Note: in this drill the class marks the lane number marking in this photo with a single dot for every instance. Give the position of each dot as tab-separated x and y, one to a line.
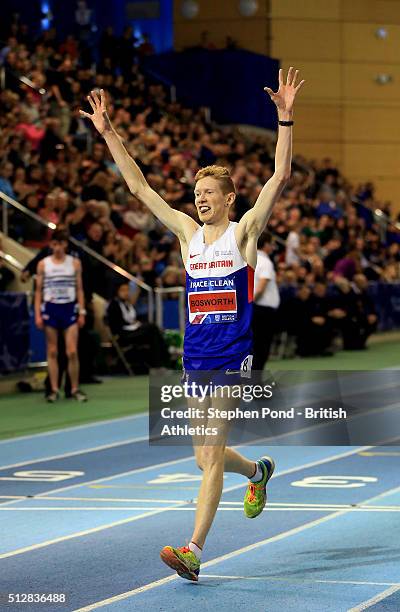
334	482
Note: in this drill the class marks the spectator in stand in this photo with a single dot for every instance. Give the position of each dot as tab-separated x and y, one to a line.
32	133
6	172
298	316
127	51
292	257
319	330
49	212
146	47
122	319
327	205
348	265
367	315
108	50
137	217
83	19
95	237
343	313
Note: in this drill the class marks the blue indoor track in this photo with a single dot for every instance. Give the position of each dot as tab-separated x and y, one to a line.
84	511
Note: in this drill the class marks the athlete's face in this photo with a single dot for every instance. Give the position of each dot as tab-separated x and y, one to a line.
211	203
58	247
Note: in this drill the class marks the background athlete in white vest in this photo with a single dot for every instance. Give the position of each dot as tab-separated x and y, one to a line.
60	308
220	258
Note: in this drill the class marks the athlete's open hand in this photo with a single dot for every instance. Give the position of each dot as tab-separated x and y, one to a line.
39	322
284	97
100	119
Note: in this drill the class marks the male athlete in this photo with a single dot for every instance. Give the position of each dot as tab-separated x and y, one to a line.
60	308
220	257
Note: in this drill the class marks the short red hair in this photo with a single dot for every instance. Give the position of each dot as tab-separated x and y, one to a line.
221	174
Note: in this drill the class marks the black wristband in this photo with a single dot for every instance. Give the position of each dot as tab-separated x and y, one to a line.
285	123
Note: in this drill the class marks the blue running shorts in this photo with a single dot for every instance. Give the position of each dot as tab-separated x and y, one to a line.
59	316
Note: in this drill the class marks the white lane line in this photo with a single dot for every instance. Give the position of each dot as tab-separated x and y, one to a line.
160	487
107	499
92	449
235	553
239	504
79	534
374	600
95	509
193	509
74	428
380	454
13	497
301	580
305	506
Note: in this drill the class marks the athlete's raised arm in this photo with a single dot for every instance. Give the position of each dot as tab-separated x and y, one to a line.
178	222
254	221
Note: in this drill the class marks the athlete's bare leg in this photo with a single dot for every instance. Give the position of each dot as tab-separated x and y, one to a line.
214	458
71	348
52	355
233	461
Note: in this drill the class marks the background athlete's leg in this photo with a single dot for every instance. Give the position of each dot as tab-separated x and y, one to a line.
71	348
52	353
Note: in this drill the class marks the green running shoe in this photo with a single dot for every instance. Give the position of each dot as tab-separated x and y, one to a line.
182	560
256	493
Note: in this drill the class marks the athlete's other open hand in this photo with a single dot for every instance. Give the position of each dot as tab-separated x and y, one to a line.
100	119
284	97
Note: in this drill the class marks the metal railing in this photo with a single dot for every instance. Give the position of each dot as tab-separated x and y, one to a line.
25	80
12	261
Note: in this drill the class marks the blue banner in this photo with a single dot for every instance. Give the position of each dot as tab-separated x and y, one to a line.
14	332
386	298
230	82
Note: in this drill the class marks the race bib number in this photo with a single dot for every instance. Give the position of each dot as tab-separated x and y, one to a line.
245	367
60	293
212	306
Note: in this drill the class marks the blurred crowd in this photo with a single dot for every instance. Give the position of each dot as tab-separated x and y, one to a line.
53	162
